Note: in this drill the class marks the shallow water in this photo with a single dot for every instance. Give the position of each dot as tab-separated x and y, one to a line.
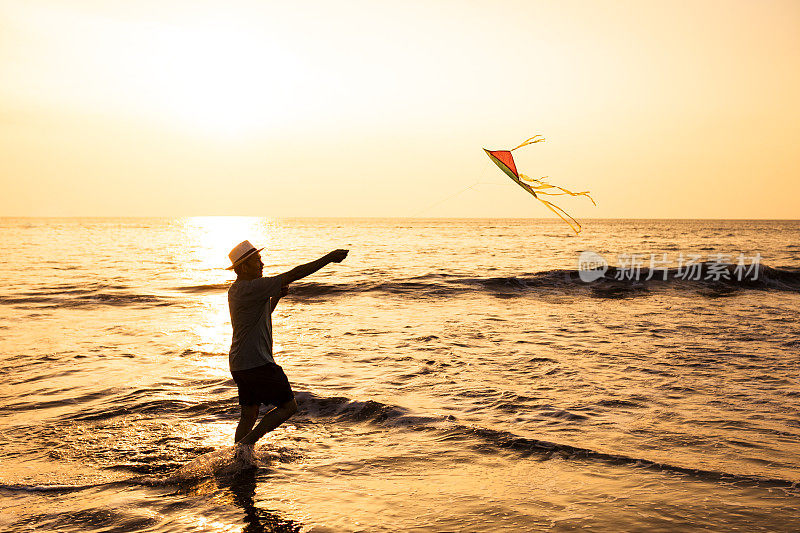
451	375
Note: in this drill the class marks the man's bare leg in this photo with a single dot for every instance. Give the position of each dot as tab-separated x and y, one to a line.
246	421
270	421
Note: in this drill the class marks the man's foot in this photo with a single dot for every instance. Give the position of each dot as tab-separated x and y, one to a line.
244	455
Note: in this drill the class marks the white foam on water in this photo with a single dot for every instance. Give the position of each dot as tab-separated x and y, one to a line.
224	462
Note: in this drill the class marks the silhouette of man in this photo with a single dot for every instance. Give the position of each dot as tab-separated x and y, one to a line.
251	299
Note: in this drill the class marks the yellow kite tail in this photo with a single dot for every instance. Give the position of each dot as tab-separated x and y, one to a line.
576	227
526	142
540	185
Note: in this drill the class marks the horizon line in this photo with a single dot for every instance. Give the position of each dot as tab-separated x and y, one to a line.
152	217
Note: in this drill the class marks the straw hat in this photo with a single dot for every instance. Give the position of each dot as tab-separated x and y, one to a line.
241	252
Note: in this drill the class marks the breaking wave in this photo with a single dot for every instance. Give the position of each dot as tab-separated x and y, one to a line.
711	281
229	461
707	280
491	440
87	295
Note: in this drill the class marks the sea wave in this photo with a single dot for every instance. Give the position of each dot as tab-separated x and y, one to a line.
118	407
87	295
497	441
61	488
343	410
208	287
708	280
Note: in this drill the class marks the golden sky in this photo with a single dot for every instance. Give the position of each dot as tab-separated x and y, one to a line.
678	109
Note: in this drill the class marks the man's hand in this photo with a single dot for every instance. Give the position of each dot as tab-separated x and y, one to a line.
337	256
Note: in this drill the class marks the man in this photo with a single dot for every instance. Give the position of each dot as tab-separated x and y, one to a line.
251	299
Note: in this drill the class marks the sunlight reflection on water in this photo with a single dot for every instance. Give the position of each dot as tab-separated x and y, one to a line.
423	366
209	239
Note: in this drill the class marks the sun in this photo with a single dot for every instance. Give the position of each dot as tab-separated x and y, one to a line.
223	81
202	72
209	239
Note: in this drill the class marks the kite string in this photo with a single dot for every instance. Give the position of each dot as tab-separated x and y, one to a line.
450	197
453	195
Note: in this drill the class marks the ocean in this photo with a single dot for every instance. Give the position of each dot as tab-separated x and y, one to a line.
451	375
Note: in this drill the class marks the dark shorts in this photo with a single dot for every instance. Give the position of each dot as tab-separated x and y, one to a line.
263	384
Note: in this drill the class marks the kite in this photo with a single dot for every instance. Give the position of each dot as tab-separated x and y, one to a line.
504	160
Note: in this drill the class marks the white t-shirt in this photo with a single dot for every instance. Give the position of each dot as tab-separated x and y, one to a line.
249	303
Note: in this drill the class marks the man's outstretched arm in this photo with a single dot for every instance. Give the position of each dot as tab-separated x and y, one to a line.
299	272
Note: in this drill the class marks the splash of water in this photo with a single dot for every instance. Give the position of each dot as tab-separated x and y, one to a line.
224	462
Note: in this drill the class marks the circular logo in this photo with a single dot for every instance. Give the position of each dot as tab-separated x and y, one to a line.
591	266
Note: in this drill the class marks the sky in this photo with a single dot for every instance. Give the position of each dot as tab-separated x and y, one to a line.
678	109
